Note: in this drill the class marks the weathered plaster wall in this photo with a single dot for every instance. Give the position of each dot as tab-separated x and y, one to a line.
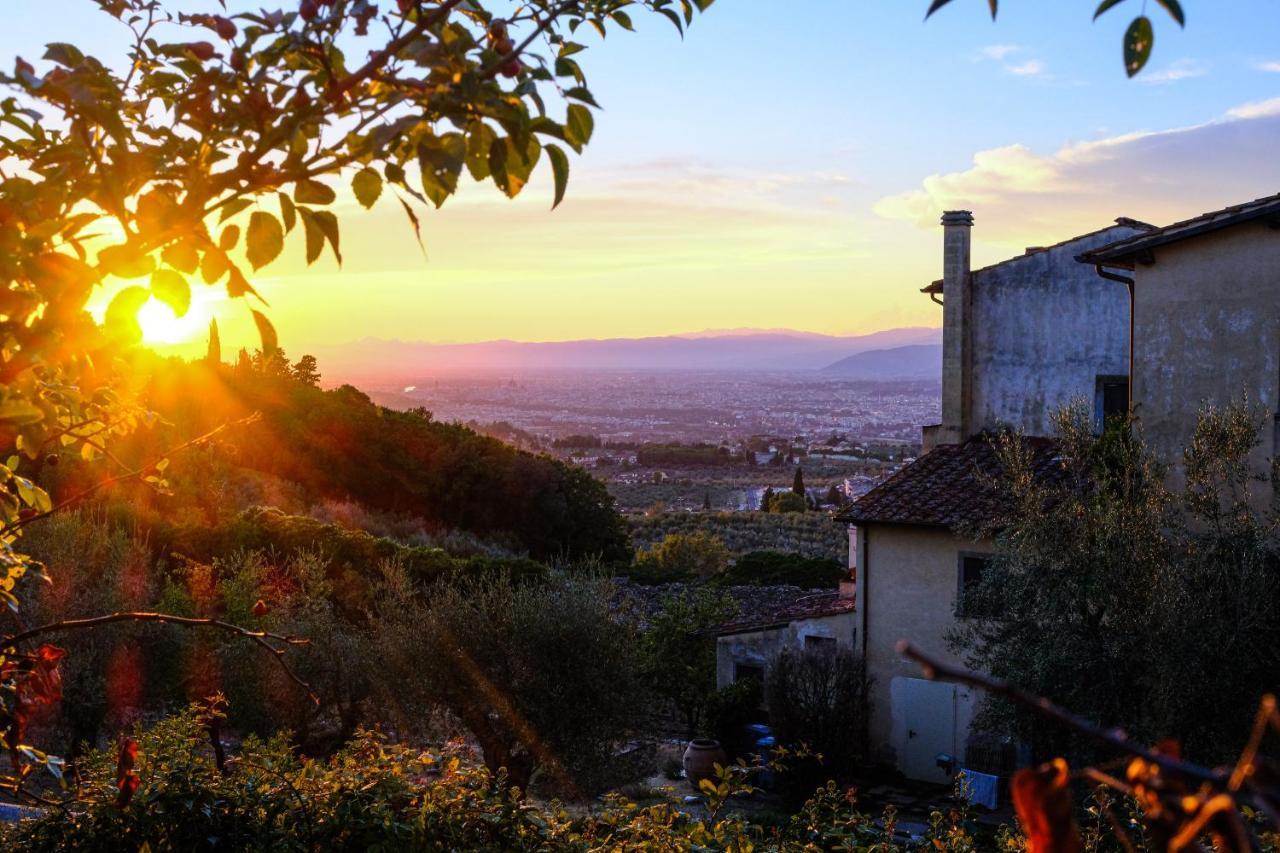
908	582
758	647
1207	331
1044	328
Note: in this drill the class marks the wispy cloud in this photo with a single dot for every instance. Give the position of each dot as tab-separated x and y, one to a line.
1030	68
1183	69
997	52
1256	109
1270	65
1022	197
1012	58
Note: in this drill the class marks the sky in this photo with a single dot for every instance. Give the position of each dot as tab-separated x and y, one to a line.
784	166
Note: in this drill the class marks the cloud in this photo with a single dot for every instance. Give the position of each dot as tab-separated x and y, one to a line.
1030	68
1005	53
1271	65
1256	109
1021	197
998	52
1183	69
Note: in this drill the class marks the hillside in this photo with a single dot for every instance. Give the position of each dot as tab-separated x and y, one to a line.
312	446
918	361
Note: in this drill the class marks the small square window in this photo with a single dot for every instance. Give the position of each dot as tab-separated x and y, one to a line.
972	568
1110	400
819	644
748	671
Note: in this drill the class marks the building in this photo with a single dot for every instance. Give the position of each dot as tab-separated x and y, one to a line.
771	623
1206	320
1021	339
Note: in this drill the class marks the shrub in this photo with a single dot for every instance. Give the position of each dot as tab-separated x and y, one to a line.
698	554
787	502
679	652
819	698
770	568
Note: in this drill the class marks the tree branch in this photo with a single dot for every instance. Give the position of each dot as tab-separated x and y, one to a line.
381	57
128	475
935	670
262	638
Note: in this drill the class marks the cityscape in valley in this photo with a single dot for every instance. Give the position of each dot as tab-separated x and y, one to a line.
775	427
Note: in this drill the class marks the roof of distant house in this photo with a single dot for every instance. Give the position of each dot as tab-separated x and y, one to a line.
759	615
1122	222
1127	252
953	485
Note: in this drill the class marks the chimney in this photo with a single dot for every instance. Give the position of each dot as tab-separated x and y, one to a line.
956	229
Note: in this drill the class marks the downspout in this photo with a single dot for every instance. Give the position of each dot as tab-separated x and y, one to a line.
935	298
1128	283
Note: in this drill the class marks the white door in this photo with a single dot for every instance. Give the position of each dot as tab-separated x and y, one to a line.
925	723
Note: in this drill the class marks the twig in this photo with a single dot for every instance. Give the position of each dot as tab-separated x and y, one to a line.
935	670
128	475
380	57
262	638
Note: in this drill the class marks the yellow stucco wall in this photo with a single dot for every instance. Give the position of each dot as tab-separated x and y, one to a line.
908	579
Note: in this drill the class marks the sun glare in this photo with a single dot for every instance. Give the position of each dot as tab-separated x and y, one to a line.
160	326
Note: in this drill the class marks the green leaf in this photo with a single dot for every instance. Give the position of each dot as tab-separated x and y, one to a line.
480	138
172	289
287	212
19	413
367	185
580	93
578	126
181	256
321	225
674	19
413	220
1174	8
315	237
1138	41
313	192
264	239
993	4
63	54
440	158
933	7
623	20
231	208
511	164
267	332
560	170
213	265
230	236
121	319
1104	6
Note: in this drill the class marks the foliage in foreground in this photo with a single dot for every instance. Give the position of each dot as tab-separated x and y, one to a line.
377	795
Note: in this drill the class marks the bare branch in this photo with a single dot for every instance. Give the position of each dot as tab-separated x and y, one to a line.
262	638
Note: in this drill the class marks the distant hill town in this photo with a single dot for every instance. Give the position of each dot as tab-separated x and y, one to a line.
373	359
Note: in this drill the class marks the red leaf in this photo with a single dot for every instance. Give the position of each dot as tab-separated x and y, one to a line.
1042	797
126	777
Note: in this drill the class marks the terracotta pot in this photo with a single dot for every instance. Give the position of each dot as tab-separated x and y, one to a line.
701	758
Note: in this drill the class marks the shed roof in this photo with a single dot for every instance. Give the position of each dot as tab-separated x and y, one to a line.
951	486
1127	252
812	605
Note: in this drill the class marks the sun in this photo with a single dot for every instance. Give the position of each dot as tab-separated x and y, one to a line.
160	325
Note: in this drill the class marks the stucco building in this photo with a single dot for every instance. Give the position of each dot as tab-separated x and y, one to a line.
1021	339
1206	320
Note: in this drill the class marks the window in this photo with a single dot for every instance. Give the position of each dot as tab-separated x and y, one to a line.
744	671
972	567
1110	400
815	643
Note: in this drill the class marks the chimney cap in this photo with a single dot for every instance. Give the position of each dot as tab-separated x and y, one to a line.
957	217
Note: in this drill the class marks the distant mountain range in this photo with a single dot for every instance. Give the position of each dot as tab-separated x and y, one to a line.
916	361
374	360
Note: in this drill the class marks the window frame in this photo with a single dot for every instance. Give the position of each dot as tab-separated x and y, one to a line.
961	556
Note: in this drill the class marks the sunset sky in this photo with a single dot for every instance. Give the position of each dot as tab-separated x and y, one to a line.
784	166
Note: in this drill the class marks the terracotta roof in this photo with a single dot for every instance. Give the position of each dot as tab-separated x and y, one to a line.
1121	222
1123	253
810	605
950	486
